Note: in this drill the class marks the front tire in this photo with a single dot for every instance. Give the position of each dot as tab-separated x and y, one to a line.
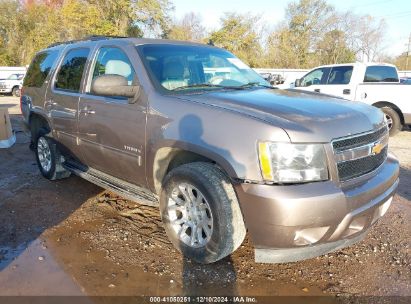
393	120
48	157
201	213
16	92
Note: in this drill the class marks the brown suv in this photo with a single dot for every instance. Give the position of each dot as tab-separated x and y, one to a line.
194	130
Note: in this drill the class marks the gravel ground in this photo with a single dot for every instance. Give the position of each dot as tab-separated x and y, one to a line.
96	243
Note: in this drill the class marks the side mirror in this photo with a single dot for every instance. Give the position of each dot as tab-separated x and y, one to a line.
114	85
297	83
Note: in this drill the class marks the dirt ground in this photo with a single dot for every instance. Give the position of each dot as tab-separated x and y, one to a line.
71	237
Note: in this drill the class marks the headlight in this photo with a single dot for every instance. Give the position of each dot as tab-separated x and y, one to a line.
292	163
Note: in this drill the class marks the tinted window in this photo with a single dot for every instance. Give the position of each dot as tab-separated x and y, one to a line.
113	61
318	76
381	74
71	70
340	75
40	68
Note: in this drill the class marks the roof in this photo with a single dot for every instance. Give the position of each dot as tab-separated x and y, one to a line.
366	64
136	41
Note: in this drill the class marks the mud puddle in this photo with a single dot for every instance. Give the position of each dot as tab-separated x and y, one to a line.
32	270
160	270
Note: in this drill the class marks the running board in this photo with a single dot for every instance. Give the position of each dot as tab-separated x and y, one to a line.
120	187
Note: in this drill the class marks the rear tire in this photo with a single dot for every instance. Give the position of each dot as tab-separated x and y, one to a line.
201	213
48	157
393	120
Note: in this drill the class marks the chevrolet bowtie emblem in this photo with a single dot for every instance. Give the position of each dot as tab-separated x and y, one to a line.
377	148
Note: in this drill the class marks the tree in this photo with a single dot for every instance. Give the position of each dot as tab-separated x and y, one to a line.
333	48
369	35
152	16
403	62
28	26
239	34
189	28
297	38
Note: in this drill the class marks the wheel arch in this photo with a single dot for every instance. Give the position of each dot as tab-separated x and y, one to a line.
381	104
168	158
37	121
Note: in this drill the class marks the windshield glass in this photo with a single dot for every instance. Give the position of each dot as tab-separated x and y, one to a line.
15	77
181	68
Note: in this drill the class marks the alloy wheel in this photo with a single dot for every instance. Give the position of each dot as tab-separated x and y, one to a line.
190	215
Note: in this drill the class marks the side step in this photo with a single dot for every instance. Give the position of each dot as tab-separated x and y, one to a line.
120	187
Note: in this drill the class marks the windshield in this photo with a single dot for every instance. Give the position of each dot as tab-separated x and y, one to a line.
15	77
182	68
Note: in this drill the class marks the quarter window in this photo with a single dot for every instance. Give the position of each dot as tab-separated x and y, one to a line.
111	60
71	71
40	68
340	75
378	73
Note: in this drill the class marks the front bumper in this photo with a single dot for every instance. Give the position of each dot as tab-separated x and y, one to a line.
5	90
295	222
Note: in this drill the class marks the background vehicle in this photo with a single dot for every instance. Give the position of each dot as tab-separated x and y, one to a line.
375	84
12	84
273	79
192	129
405	80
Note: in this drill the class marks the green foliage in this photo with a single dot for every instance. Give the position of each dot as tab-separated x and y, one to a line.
26	28
189	28
239	34
313	32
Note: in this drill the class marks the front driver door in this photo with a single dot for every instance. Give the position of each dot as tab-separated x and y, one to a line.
315	80
111	130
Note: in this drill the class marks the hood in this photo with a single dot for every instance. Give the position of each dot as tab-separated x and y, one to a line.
306	117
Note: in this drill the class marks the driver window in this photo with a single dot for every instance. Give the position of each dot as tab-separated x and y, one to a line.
313	78
112	60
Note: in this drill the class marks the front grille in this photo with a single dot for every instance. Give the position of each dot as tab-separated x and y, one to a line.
358	141
3	86
355	168
350	169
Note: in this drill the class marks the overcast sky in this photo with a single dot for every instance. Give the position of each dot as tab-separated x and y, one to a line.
397	14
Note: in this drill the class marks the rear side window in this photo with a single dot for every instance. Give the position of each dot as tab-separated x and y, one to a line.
378	73
71	70
40	68
340	75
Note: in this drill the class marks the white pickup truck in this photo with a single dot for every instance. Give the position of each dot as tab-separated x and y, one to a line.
12	84
376	84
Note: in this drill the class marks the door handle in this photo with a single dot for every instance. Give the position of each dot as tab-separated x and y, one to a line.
346	91
51	103
86	111
317	90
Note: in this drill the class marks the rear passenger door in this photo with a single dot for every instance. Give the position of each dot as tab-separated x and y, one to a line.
36	81
111	130
64	95
339	82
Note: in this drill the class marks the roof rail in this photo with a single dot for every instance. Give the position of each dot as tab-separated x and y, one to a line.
87	38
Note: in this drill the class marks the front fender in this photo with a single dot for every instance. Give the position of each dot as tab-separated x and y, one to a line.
227	138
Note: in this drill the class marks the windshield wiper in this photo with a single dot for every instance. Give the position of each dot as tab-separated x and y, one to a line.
210	85
200	85
255	84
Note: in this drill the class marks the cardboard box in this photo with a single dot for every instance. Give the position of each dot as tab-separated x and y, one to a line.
7	138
